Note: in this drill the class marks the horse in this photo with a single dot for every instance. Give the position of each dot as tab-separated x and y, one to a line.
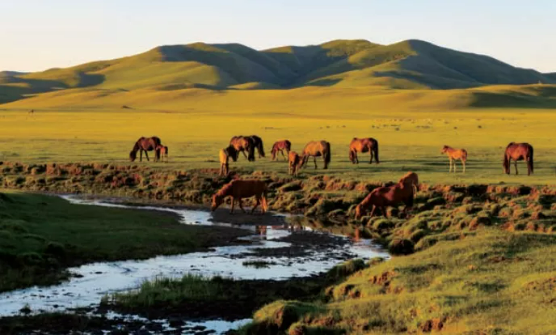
280	146
224	155
144	144
258	144
239	189
363	145
386	196
455	154
294	163
161	153
244	144
411	179
518	151
315	149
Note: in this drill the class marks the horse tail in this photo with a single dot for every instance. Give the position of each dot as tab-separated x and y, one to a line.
251	151
376	151
531	158
465	156
507	161
326	153
261	149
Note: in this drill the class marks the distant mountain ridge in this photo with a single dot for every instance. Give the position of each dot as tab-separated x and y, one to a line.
410	64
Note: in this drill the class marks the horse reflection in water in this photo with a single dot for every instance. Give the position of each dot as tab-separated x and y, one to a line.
261	230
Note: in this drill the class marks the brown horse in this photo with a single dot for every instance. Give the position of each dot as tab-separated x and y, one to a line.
258	144
294	163
145	145
410	179
161	153
386	196
224	155
244	144
455	154
315	149
363	145
518	151
280	146
239	189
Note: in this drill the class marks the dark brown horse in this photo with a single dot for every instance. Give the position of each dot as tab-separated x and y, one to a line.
224	155
258	144
239	189
517	152
386	196
145	145
315	149
280	146
244	144
363	145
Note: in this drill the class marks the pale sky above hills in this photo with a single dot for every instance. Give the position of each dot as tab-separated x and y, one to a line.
36	34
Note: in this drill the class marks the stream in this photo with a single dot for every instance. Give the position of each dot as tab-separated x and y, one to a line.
91	282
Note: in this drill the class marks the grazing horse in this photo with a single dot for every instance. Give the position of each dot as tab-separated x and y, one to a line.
161	153
224	155
364	145
410	179
455	154
294	163
386	196
518	151
280	146
244	144
315	149
145	145
258	144
239	189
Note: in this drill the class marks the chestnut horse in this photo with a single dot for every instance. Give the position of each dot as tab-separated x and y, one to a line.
410	179
294	163
518	151
363	145
239	189
280	146
258	144
244	144
455	154
315	149
224	155
144	144
161	153
386	196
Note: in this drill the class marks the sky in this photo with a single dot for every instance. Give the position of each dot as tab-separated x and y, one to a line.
37	35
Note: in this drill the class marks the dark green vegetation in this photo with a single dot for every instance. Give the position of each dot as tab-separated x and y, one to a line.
410	64
42	235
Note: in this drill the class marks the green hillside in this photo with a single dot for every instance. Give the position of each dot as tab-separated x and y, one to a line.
410	64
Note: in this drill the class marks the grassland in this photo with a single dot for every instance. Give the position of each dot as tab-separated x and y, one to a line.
42	235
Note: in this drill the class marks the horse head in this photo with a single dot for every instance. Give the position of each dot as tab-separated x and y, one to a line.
216	202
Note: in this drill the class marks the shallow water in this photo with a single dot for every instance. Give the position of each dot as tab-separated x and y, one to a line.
92	281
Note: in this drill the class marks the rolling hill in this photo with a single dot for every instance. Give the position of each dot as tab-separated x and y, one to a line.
410	64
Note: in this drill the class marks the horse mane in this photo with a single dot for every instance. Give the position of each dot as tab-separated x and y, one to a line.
531	157
225	190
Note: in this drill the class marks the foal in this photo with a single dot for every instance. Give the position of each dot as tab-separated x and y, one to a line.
161	153
455	154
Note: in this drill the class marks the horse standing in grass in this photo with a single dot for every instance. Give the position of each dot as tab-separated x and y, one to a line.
239	189
144	144
161	153
455	154
363	145
386	196
294	163
315	149
224	155
518	151
280	146
244	144
258	144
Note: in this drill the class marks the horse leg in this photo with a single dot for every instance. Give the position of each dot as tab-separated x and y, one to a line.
147	155
232	207
370	156
244	154
256	204
284	157
450	164
263	204
241	206
516	166
315	162
372	211
463	166
140	155
384	211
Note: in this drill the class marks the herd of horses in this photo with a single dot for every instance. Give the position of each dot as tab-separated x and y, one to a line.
401	192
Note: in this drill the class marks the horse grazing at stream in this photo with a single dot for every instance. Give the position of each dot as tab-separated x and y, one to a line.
161	153
258	144
144	144
239	189
315	149
363	145
455	154
383	197
224	155
280	146
518	151
295	161
244	144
